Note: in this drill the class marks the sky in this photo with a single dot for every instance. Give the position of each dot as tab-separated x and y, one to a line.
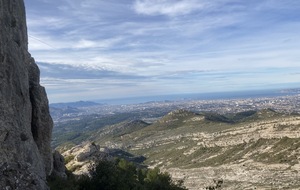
106	49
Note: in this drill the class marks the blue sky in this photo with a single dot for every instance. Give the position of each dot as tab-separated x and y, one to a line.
101	49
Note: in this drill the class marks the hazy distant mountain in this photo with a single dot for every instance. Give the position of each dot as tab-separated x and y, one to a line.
57	113
77	104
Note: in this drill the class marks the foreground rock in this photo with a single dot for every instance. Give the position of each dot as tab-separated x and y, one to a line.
81	158
59	168
25	123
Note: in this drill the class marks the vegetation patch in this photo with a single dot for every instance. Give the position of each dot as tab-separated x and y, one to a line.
117	175
281	152
69	158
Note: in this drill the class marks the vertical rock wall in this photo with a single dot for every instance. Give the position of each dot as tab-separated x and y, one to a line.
25	122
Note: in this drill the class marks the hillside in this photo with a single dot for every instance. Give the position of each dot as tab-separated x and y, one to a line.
255	149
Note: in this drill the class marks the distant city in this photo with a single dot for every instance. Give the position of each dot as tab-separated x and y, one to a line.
203	96
286	101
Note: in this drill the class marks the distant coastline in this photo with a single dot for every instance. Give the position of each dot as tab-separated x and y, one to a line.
203	96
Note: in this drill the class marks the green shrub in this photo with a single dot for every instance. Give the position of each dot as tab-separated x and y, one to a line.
69	158
118	175
57	183
124	175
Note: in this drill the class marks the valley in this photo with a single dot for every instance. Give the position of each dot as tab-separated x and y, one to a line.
245	149
258	153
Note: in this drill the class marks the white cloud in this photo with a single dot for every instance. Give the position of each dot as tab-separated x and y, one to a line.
167	7
157	38
85	44
48	22
106	43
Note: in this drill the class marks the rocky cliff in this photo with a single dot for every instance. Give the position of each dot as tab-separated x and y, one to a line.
25	122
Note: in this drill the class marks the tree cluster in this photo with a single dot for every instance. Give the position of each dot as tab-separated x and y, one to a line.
118	175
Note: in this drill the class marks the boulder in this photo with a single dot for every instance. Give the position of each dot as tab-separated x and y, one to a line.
59	168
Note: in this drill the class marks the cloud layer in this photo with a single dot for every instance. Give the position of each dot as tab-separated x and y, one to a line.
140	47
167	7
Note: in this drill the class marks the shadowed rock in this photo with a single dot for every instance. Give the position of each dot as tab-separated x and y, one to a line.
25	123
59	168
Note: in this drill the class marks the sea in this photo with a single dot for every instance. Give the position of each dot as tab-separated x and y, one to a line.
203	96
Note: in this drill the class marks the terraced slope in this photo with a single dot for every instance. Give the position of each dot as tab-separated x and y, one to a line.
249	150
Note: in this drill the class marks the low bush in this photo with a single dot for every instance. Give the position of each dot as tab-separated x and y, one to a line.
118	175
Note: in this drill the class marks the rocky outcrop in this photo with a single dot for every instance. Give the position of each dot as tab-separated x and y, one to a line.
88	151
19	176
41	122
82	158
25	123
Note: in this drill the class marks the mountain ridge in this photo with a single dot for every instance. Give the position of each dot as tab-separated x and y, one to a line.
198	150
77	104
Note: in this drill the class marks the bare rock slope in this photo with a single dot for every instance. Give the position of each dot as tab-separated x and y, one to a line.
247	150
82	158
25	123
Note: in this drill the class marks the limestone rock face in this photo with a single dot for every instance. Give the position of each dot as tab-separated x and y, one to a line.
19	176
25	123
41	122
83	157
87	151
